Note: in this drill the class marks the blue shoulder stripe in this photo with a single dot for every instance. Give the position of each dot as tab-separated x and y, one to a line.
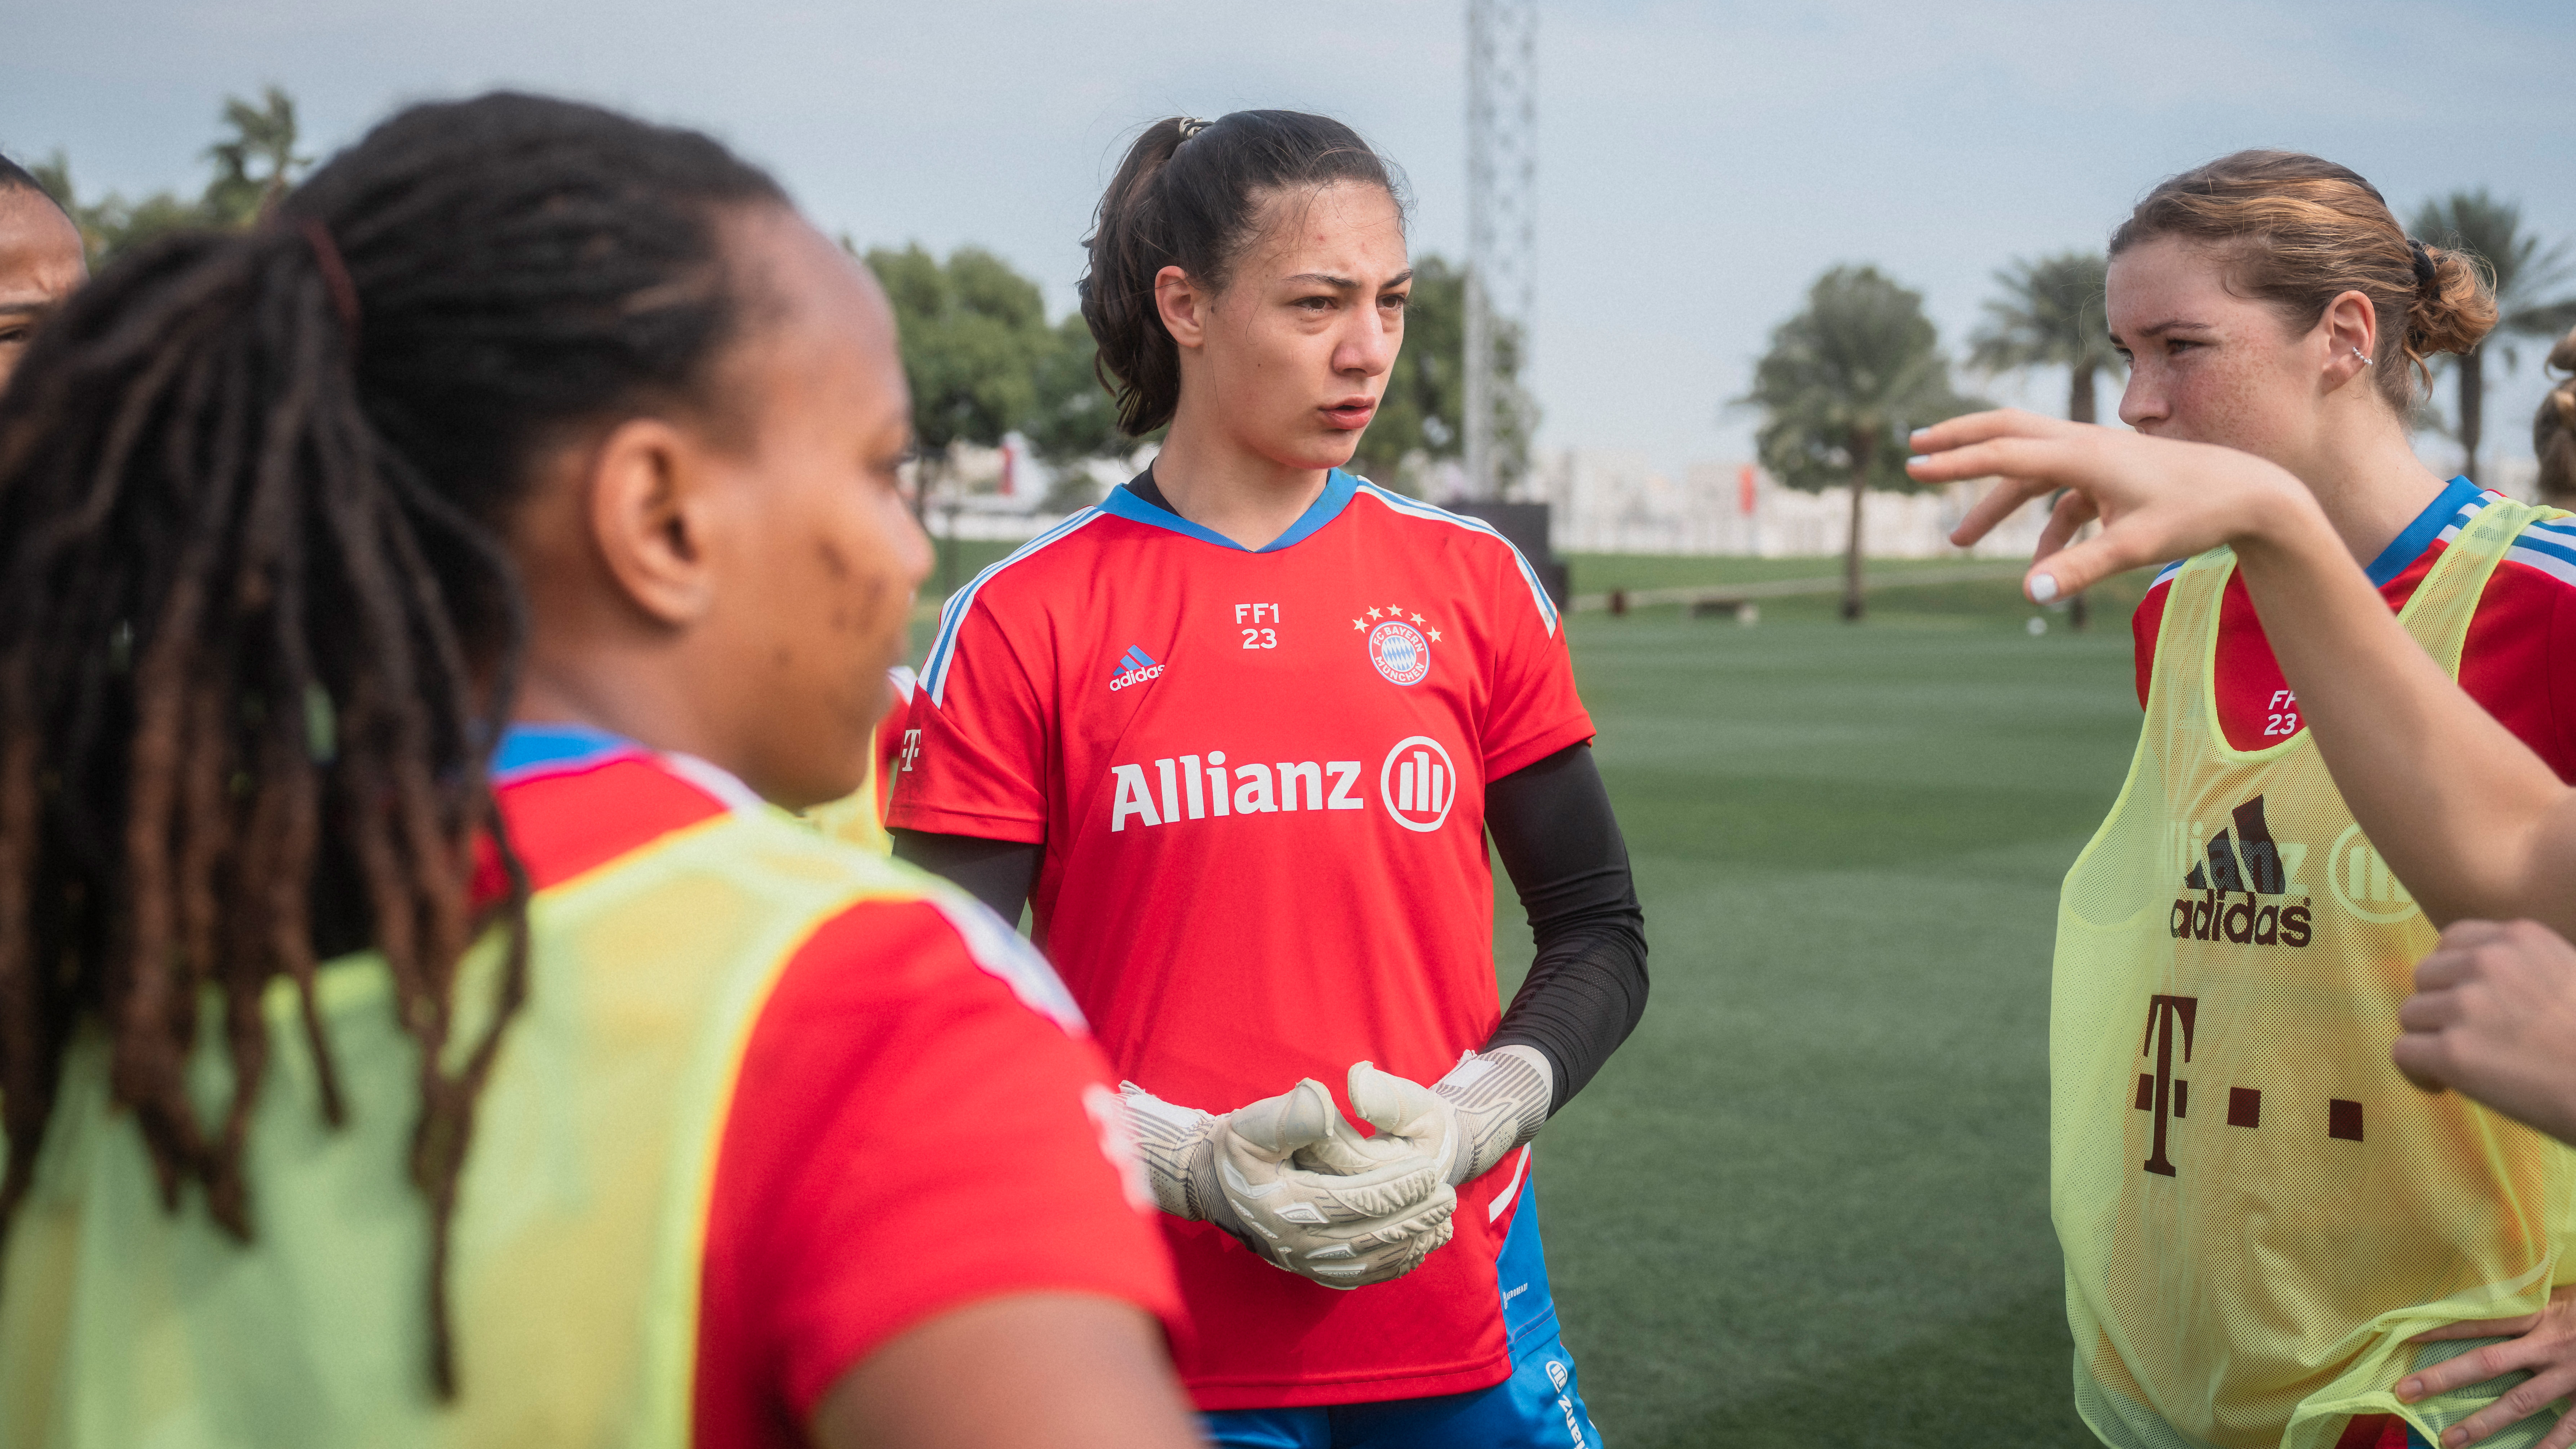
1415	508
2556	529
2560	547
943	647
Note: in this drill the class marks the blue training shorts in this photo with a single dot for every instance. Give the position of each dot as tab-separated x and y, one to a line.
1538	1407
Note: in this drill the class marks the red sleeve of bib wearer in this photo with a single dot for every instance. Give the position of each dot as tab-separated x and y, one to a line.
980	763
2516	660
2144	626
1534	710
905	1138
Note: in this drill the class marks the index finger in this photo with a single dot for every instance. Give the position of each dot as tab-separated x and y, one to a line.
1968	428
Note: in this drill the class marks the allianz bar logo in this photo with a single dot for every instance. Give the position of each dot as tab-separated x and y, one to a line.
1417	785
2243	859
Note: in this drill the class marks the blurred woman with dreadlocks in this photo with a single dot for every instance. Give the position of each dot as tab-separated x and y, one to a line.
418	1023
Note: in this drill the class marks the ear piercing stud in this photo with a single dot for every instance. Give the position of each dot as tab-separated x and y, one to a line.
2364	356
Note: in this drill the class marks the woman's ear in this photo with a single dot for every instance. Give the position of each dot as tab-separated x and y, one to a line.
2350	326
649	516
1183	304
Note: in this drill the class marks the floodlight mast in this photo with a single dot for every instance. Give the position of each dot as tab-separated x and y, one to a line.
1502	168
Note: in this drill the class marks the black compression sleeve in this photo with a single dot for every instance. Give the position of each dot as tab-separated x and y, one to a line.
1560	844
1000	873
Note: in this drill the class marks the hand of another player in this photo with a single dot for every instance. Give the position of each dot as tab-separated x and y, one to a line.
2493	1017
2542	1344
2157	499
1377	1220
1468	1121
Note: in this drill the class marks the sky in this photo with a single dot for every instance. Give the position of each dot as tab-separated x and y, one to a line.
1699	164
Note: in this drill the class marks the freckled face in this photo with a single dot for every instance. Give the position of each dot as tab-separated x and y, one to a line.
819	579
2205	364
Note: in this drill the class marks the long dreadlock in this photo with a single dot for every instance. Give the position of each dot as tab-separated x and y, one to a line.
257	628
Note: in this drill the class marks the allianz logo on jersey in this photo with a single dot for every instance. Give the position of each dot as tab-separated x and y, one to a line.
2244	860
1416	786
1134	667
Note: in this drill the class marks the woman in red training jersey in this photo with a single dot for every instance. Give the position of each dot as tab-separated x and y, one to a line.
521	427
1238	737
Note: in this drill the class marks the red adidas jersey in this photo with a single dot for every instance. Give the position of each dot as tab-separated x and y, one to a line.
1260	777
897	1106
2513	661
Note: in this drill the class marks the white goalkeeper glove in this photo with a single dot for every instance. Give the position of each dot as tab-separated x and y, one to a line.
1466	1122
1359	1217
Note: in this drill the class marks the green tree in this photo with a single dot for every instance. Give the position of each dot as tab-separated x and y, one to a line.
2529	283
973	334
1074	417
1424	408
974	339
1844	382
2051	313
254	163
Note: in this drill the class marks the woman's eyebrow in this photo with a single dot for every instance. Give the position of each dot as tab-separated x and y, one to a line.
1348	284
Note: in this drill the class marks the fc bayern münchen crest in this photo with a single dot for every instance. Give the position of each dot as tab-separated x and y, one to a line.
1399	652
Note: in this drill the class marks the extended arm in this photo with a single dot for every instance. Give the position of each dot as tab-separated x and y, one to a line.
2474	822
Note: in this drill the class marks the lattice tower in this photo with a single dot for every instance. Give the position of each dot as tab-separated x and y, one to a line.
1502	169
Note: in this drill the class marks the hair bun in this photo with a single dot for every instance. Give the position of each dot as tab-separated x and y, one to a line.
2454	307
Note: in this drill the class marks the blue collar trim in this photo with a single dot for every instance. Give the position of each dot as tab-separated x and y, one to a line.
1339	489
2405	548
529	747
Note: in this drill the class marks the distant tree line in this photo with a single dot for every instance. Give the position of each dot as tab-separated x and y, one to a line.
254	161
984	362
982	357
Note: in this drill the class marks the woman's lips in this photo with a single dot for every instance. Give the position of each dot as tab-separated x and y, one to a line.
1350	416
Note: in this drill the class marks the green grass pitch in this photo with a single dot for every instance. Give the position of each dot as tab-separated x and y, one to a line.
1807	1203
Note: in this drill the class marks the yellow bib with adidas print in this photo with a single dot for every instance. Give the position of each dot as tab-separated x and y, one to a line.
2257	1210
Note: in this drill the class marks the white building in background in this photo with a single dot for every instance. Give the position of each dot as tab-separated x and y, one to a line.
1610	501
1008	493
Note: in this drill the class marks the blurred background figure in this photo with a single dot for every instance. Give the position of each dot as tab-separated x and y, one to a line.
41	261
2553	431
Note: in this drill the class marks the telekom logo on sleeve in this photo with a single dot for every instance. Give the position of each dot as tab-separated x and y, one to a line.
1417	784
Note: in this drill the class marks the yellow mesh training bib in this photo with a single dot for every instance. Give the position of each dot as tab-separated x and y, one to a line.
579	1232
2257	1210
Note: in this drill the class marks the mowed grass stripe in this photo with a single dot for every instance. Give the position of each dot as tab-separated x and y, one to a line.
1807	1203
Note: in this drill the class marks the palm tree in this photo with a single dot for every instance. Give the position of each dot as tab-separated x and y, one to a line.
263	134
2051	314
1843	383
2525	276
